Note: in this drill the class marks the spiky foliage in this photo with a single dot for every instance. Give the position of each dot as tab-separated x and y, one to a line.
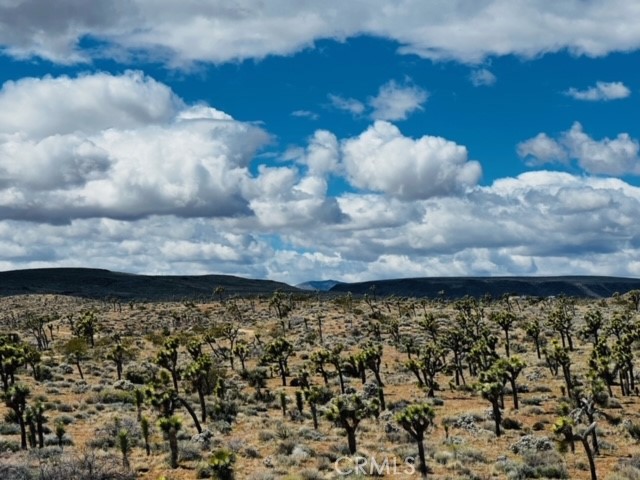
170	426
348	411
416	420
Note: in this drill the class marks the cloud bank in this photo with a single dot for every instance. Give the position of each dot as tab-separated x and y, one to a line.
69	31
119	172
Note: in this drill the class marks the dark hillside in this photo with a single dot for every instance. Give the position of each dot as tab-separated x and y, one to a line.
96	283
456	287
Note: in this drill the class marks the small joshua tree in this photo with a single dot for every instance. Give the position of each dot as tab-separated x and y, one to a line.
170	426
124	444
145	426
221	462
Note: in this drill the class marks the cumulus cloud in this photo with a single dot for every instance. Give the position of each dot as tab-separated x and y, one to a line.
602	91
541	222
482	78
196	31
118	146
42	107
396	102
618	156
542	149
381	159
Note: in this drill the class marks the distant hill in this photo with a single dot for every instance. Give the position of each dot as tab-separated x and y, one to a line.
318	285
456	287
96	283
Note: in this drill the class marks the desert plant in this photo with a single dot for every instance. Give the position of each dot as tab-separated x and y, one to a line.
170	427
348	411
16	400
416	420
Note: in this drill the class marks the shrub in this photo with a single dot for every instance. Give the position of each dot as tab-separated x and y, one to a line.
115	396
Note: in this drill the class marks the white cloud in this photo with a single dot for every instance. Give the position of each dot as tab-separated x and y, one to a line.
322	154
194	31
617	157
118	146
601	91
482	78
396	102
542	149
383	160
351	105
304	114
47	106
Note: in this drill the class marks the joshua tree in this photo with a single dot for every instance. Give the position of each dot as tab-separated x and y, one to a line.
168	358
560	356
242	351
86	327
492	389
416	420
510	368
199	374
594	323
348	411
138	395
564	427
371	358
315	396
36	324
505	320
430	363
533	329
124	444
166	400
35	417
170	426
11	358
320	359
32	357
76	350
336	360
60	431
145	426
16	400
279	352
221	462
119	354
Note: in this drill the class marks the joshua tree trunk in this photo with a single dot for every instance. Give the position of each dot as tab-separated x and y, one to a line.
351	439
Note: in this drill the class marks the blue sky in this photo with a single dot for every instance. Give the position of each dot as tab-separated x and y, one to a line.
356	141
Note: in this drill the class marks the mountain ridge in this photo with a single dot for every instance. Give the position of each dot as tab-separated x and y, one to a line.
101	283
455	287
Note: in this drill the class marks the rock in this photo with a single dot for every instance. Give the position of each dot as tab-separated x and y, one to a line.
203	437
125	385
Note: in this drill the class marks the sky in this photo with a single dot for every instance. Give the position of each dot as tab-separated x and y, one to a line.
298	140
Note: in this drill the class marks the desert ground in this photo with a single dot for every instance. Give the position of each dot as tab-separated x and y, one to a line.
444	366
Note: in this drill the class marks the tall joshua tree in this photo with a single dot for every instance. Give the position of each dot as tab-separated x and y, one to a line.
16	400
416	420
168	358
348	411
